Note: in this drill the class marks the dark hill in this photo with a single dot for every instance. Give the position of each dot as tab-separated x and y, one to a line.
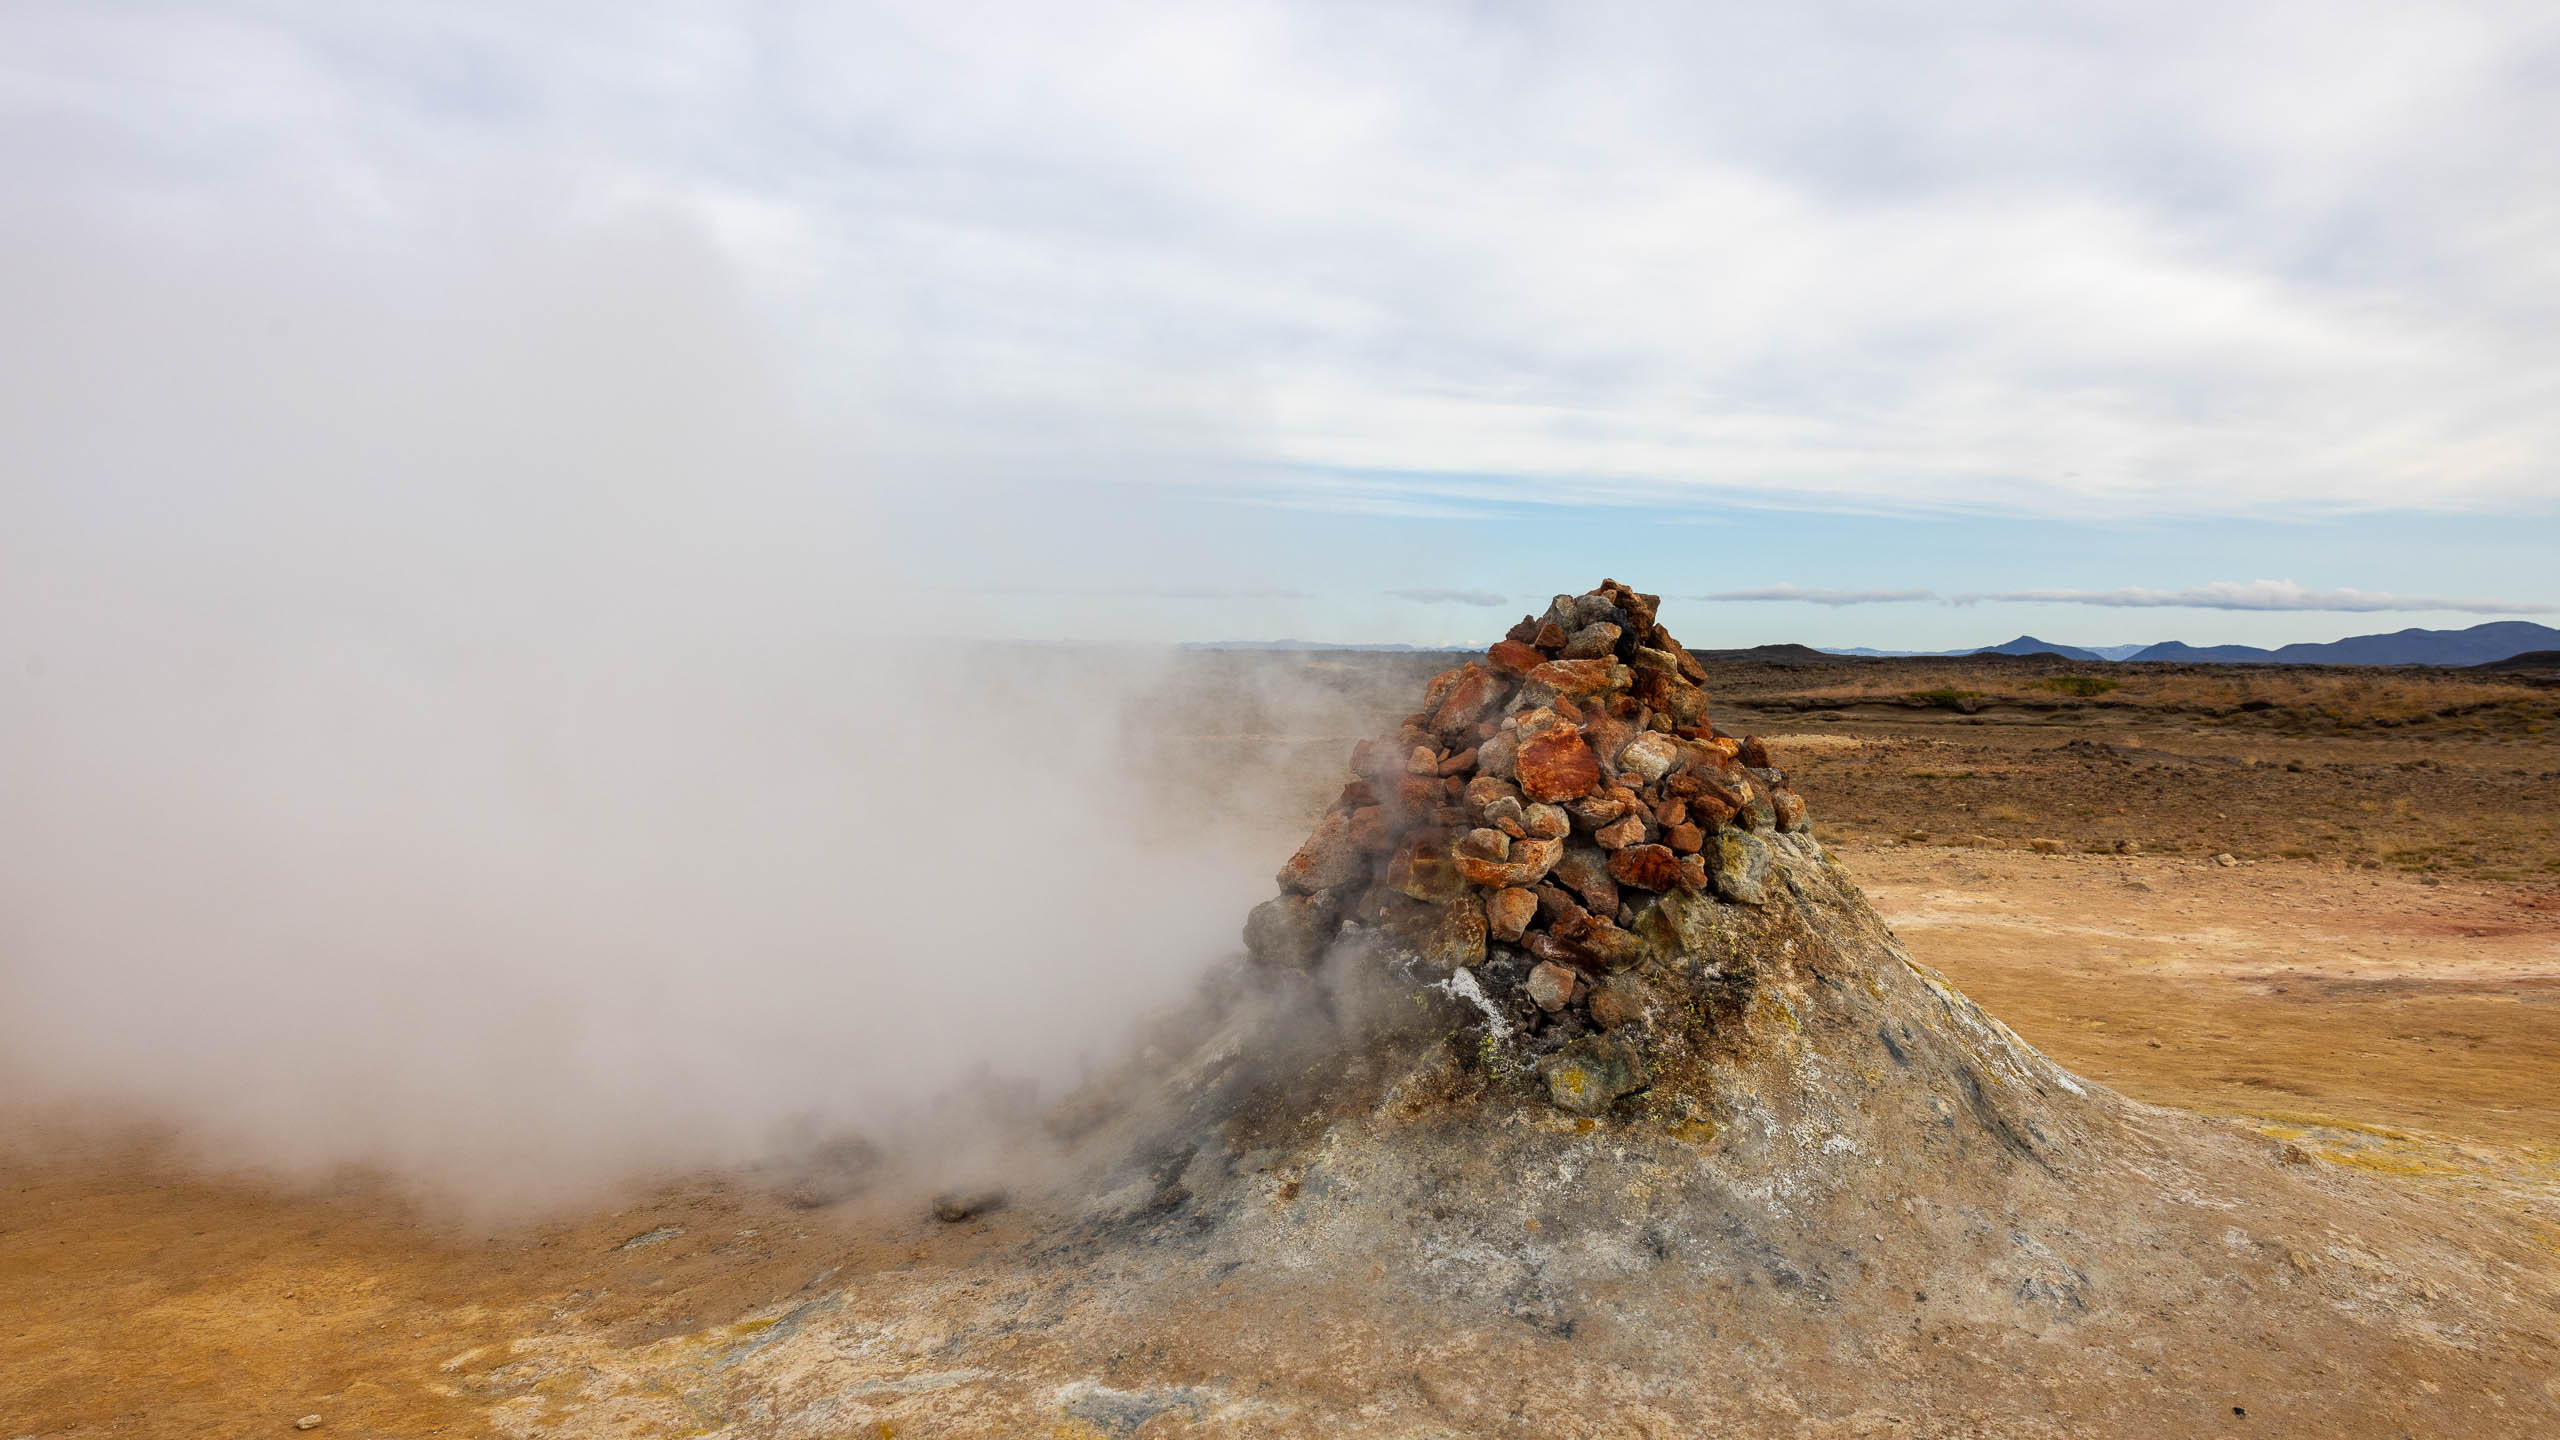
2480	644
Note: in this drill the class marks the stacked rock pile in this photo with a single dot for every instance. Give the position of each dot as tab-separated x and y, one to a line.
1529	820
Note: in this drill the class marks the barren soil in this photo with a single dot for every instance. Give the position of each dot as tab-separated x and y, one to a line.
2377	982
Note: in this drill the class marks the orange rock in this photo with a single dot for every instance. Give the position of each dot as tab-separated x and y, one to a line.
1670	812
1468	697
1550	637
1620	834
1373	830
1508	913
1755	754
1575	677
1556	765
1684	837
1329	858
1526	864
1647	867
1458	764
1510	657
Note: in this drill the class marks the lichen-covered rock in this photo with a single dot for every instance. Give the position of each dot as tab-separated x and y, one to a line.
1424	869
1590	1074
1739	866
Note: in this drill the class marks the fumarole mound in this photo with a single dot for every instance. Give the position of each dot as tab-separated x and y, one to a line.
1572	1088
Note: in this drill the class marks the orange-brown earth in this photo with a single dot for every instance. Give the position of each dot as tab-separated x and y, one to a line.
2385	998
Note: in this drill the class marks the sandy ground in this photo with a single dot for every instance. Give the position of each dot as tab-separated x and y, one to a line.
2378	1008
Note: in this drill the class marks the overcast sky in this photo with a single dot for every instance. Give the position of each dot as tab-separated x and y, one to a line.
1887	325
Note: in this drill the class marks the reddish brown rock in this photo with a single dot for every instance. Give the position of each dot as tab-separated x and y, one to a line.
1607	734
1790	808
1684	838
1619	834
1329	858
1473	693
1550	637
1555	906
1647	867
1755	754
1423	869
1437	691
1593	811
1693	872
1483	791
1584	870
1509	912
1613	947
1440	935
1670	812
1547	822
1524	632
1527	862
1511	657
1556	765
1485	845
1558	952
1551	985
1574	677
1373	829
1458	764
1620	1002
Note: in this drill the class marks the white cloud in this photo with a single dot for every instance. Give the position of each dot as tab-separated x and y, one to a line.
2045	261
1820	597
2257	595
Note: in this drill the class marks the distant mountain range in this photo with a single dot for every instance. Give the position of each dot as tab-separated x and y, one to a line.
2478	645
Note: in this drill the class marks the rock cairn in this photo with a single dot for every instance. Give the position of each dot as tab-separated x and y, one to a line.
1533	831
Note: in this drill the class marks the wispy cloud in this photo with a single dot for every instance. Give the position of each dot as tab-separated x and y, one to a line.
1820	597
1148	592
2256	595
1451	597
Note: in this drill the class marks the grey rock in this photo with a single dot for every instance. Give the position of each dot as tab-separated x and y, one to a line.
1738	863
1293	931
1592	641
1650	755
1591	1072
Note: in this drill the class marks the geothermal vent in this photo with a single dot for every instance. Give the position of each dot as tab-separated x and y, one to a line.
1556	823
1571	1088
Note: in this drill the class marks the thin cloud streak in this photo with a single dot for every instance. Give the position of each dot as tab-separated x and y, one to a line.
1450	597
1819	597
2256	595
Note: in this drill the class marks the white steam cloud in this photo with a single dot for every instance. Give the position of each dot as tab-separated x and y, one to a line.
452	718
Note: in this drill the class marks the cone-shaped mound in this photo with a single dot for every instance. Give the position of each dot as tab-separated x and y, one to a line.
1573	1089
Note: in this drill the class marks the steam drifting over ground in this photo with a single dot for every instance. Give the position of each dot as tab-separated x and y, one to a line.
451	719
